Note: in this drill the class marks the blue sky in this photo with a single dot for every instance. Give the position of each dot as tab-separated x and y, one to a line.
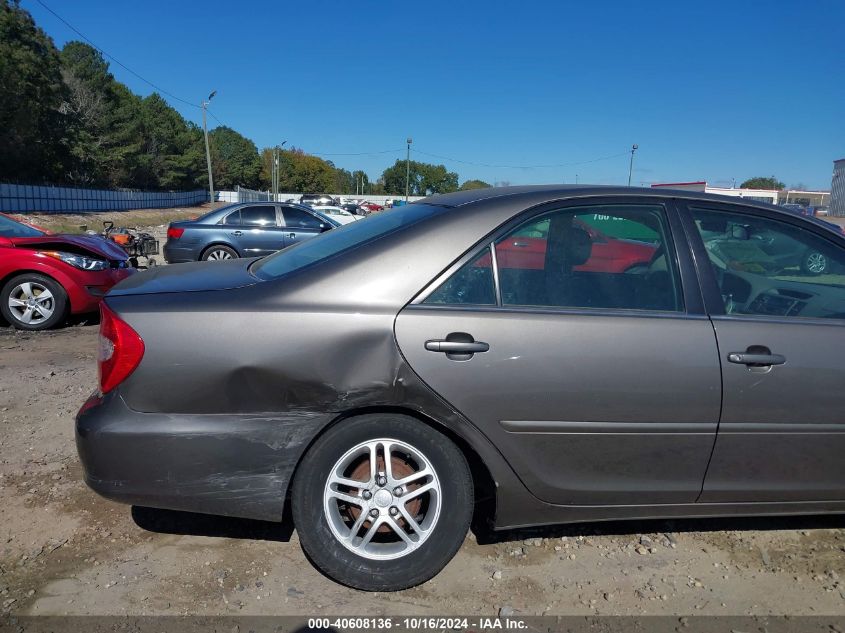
708	90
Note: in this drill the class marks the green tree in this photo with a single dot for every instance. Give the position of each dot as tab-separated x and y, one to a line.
234	159
762	182
33	127
474	184
91	101
425	179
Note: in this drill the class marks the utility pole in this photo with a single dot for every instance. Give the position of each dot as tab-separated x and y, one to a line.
276	172
634	148
408	170
207	150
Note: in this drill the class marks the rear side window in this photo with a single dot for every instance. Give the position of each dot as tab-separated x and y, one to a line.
600	257
297	218
233	219
471	285
258	216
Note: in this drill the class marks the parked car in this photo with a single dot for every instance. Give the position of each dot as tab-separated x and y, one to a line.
336	213
313	199
44	277
390	387
353	208
371	206
528	248
248	229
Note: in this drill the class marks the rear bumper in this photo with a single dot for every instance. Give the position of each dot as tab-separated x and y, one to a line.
229	465
176	253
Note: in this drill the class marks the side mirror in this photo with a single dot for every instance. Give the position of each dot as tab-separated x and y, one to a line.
324	227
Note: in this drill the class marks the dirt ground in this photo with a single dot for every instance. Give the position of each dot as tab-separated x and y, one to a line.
67	551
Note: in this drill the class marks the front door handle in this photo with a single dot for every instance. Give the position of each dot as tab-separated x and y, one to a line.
459	347
292	235
758	360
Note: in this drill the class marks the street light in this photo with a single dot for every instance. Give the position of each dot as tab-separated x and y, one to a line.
207	150
408	170
634	148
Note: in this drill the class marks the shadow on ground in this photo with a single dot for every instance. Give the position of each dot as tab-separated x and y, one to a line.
630	528
189	523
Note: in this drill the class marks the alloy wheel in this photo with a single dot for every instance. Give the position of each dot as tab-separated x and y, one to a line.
31	303
382	499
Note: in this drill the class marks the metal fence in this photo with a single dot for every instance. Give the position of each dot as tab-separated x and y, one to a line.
250	195
33	198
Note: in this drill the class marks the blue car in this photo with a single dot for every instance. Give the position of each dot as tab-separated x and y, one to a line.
248	229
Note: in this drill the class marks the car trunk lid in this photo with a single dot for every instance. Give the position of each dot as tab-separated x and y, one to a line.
191	277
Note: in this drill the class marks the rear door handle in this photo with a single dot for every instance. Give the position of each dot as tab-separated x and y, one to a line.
292	235
456	347
746	358
237	233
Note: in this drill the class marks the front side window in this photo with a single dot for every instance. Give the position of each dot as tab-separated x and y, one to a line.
770	268
258	216
299	219
600	257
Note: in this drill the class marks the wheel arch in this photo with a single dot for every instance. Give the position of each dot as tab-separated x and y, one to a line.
484	484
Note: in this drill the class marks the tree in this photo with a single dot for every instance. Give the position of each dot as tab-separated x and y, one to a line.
762	182
474	184
234	159
33	128
425	179
91	99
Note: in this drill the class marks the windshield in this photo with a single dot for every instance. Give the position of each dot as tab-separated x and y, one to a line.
10	228
341	239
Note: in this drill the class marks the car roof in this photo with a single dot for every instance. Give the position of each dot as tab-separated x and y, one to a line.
532	195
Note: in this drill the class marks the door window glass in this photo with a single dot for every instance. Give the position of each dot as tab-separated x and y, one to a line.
472	284
591	257
258	216
298	218
771	268
233	219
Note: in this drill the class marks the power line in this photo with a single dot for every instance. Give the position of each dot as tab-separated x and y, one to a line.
115	60
386	151
572	164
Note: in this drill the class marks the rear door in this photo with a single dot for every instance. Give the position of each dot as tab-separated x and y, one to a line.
300	225
780	326
599	387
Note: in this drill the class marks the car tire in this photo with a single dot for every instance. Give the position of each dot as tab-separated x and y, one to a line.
24	307
814	263
419	456
218	252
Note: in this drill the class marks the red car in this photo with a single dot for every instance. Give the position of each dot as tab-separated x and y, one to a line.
371	206
45	277
608	254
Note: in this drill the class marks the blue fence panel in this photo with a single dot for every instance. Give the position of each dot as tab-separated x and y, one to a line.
34	198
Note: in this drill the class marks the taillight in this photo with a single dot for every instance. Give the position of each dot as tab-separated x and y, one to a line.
174	233
120	349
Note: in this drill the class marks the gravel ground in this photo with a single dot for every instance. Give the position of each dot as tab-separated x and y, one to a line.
67	551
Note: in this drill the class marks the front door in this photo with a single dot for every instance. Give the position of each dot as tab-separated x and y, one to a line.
300	225
259	233
600	386
777	296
